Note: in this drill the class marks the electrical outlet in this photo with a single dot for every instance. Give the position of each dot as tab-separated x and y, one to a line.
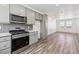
0	27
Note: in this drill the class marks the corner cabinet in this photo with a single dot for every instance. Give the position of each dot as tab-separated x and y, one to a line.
17	9
30	14
4	13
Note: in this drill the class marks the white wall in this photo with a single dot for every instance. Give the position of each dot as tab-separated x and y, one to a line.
78	26
51	25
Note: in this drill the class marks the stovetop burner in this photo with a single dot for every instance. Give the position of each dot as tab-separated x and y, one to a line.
15	32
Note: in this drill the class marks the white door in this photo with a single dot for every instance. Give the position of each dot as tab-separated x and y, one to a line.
37	27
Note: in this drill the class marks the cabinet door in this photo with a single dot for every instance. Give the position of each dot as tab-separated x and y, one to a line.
17	9
30	16
36	36
6	51
36	27
33	37
37	16
28	13
40	17
33	17
4	45
4	13
3	39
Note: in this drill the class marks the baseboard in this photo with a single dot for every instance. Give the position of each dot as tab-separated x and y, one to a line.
49	35
67	32
60	32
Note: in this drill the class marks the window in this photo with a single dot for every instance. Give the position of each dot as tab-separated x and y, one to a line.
69	23
65	23
62	23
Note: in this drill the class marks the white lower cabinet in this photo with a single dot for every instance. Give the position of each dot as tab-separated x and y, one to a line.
5	45
33	37
5	38
6	51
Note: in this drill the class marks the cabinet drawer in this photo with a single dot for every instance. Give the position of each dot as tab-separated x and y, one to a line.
5	38
6	51
4	45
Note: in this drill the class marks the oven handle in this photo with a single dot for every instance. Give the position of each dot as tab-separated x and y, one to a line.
19	36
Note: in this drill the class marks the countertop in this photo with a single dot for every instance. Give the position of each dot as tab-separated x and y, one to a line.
32	31
4	34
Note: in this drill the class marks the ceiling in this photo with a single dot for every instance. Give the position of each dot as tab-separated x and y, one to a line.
54	10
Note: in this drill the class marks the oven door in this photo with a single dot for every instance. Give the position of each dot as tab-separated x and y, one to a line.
19	43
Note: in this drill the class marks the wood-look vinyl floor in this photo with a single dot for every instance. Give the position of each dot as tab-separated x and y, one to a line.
58	43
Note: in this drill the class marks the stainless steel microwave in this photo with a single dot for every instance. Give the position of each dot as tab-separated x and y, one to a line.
17	19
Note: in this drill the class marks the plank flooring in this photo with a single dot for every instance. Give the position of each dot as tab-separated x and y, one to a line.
58	43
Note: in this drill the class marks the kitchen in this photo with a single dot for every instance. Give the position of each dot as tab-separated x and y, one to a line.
39	28
20	27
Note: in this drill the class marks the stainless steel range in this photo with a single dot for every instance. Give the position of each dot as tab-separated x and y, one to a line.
20	38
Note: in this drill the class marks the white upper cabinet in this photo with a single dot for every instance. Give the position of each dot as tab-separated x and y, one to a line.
30	14
38	16
4	13
17	9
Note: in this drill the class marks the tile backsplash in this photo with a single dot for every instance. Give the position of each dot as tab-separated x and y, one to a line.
7	27
4	28
29	27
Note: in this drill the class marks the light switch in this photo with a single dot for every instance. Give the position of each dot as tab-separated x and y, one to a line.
0	27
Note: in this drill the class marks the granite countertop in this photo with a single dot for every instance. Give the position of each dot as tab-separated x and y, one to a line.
4	34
